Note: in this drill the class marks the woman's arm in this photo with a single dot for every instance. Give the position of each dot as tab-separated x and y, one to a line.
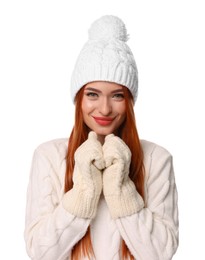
51	231
152	233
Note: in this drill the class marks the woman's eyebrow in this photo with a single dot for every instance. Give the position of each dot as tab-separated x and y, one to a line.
99	91
93	89
117	90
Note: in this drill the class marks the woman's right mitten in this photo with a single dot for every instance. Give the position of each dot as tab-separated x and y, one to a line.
82	199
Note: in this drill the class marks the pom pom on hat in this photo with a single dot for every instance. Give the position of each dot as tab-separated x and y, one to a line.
106	57
108	27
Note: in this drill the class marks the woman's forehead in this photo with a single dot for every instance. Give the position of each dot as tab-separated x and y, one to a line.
104	86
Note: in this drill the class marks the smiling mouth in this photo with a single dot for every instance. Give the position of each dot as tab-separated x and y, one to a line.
103	121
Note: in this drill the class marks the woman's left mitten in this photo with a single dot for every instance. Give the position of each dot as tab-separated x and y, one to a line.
119	190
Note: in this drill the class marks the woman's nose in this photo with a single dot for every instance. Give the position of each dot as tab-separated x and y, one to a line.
105	107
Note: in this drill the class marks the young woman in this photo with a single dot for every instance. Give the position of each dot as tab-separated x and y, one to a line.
104	193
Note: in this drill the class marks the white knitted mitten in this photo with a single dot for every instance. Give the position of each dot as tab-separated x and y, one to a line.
120	192
83	198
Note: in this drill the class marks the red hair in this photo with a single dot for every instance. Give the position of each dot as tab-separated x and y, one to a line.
78	135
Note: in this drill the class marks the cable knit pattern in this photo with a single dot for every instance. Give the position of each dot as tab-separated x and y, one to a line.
155	236
120	192
83	198
51	231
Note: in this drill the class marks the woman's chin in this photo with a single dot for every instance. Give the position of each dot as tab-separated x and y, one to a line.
103	132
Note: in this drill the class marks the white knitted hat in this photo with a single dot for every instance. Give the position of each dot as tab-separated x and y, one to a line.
106	57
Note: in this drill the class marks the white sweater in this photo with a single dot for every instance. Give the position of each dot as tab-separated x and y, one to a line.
51	231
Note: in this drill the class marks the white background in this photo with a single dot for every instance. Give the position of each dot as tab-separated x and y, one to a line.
40	41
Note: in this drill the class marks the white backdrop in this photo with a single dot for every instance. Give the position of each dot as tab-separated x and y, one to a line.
40	41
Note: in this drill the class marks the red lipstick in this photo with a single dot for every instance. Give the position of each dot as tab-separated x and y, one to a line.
103	121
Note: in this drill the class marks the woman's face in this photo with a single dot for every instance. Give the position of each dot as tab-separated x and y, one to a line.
103	107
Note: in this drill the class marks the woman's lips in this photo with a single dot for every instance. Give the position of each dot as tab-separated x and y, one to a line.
103	121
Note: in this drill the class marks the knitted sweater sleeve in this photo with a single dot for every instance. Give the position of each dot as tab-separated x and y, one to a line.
50	232
152	233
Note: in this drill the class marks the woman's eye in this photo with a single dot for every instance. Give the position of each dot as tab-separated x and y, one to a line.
91	94
118	96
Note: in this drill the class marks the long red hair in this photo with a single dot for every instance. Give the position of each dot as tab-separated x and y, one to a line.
128	133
